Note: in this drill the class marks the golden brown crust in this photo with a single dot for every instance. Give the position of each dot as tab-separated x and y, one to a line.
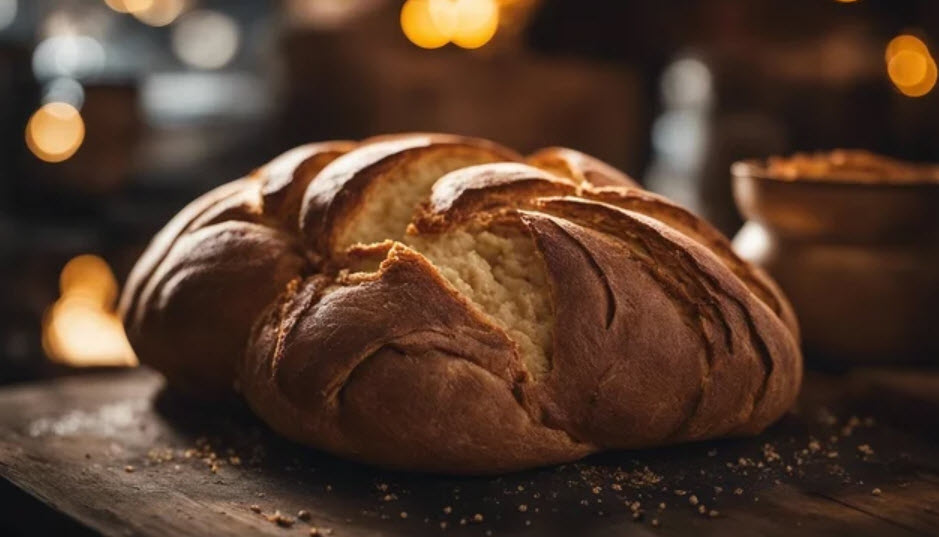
333	200
466	193
579	167
370	349
704	233
400	339
164	240
287	177
197	308
751	366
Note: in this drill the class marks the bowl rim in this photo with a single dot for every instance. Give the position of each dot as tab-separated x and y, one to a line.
755	168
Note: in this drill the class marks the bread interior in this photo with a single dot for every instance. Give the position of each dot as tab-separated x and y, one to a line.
500	271
390	201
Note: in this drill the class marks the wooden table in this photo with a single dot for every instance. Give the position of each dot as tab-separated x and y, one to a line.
114	454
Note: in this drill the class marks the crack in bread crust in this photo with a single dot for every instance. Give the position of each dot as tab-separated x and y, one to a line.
430	302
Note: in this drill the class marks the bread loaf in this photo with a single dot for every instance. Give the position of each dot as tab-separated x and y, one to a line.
440	303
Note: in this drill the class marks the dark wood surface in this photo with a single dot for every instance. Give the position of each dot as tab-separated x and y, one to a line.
115	454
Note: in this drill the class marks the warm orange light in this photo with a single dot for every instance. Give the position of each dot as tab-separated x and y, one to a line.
89	277
160	12
419	27
907	68
78	333
81	328
904	42
117	5
910	65
55	132
478	21
434	23
129	6
925	85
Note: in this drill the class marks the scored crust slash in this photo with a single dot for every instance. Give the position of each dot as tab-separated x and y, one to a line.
441	303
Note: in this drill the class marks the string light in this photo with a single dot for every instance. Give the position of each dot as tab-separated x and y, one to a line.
81	328
434	23
910	65
55	132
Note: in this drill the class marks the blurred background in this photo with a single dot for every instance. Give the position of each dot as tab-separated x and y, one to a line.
115	113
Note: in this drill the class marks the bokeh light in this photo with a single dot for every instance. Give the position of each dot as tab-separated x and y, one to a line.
55	132
64	90
206	39
925	85
129	6
904	42
160	12
8	10
907	68
75	56
419	27
910	66
81	328
89	277
434	23
477	23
